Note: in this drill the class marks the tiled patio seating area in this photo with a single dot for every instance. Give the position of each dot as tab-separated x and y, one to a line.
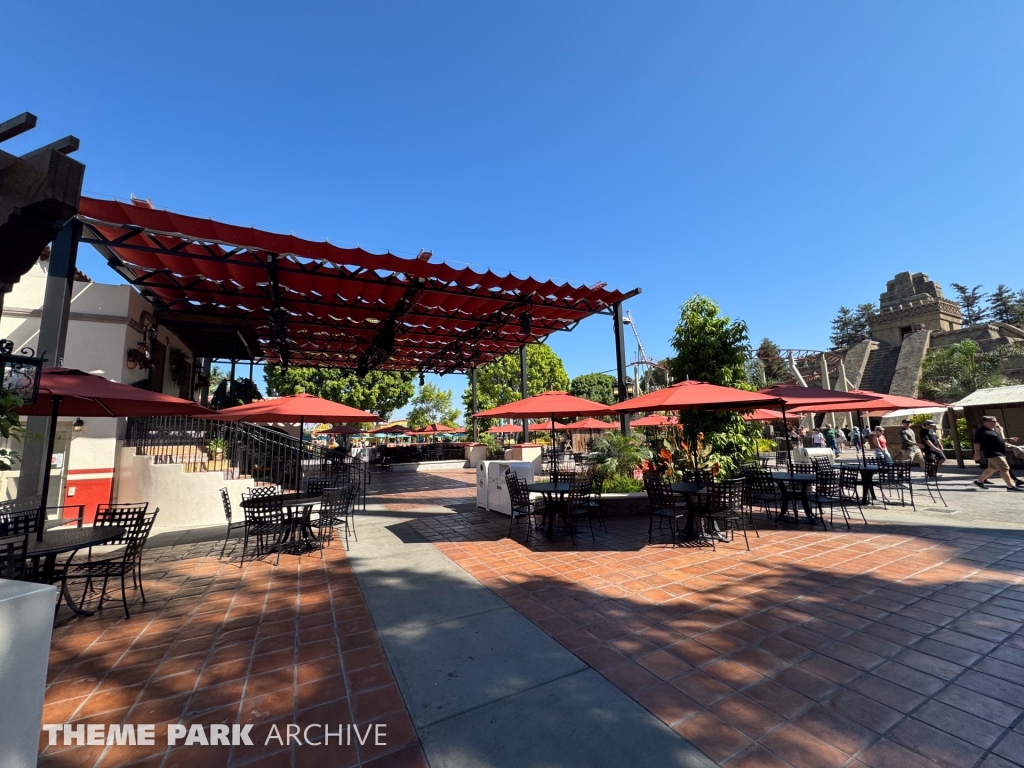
221	644
883	646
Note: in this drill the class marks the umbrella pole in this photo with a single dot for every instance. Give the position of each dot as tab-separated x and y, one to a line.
298	468
50	439
863	456
789	443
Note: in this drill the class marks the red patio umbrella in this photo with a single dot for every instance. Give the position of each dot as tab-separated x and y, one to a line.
589	425
391	429
654	420
551	404
70	392
433	429
812	398
696	396
296	409
763	414
545	426
505	429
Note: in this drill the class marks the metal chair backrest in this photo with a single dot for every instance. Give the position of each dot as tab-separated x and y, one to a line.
781	458
265	511
225	499
931	468
518	492
262	491
726	496
821	464
827	483
801	469
13	555
579	494
659	493
848	480
17	519
127	516
136	538
336	502
316	486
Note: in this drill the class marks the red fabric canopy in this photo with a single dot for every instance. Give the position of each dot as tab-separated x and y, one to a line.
547	404
433	429
808	398
654	420
590	425
764	414
87	395
545	426
505	429
392	429
696	395
295	408
317	304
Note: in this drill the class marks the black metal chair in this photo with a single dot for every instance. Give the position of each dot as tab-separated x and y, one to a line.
762	490
828	490
797	468
596	489
61	520
315	486
521	505
723	509
821	464
849	488
931	479
895	482
264	522
122	563
663	505
781	459
335	508
577	506
17	521
233	525
262	491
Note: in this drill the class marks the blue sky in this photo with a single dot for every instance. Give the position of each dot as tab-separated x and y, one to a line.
783	158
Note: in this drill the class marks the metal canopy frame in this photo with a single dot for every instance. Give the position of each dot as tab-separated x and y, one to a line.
315	304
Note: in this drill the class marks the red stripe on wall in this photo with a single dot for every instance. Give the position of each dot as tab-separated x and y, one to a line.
90	493
89	471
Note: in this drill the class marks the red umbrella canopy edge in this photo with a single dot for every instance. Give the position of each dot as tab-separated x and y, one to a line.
812	397
296	408
699	396
547	404
589	424
88	395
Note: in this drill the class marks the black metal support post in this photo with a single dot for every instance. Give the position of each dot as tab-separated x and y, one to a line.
50	440
476	424
524	389
53	333
620	362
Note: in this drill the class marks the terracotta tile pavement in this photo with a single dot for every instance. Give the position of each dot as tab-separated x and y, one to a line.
221	644
882	646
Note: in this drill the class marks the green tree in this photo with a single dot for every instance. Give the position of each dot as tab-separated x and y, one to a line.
1005	306
709	346
972	303
216	377
380	392
951	373
499	382
770	357
432	405
851	326
593	386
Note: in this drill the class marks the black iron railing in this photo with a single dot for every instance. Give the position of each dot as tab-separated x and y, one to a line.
264	454
406	454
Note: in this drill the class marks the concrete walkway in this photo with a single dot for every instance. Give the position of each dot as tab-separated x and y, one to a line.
485	687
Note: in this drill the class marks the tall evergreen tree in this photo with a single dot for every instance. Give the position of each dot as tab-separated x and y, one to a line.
1005	306
851	326
770	356
972	303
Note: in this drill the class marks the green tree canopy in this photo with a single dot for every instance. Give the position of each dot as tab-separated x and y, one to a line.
380	392
593	386
951	373
432	405
498	382
972	303
770	357
709	346
1005	306
851	326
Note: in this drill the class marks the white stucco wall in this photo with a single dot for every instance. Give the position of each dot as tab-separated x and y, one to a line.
185	499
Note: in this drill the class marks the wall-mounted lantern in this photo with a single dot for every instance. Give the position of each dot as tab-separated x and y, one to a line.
21	371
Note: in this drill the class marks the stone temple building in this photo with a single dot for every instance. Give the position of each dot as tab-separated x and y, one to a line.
913	318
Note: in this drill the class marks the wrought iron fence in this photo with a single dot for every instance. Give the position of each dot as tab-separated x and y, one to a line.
406	454
265	454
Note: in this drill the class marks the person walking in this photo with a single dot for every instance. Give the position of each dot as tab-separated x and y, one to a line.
909	445
881	446
817	439
989	443
930	443
841	439
830	439
855	438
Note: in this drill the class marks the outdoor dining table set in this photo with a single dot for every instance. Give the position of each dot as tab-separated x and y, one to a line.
37	549
279	522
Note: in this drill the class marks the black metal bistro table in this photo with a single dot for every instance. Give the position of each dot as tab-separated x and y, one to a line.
787	483
551	491
692	531
867	479
62	541
297	533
